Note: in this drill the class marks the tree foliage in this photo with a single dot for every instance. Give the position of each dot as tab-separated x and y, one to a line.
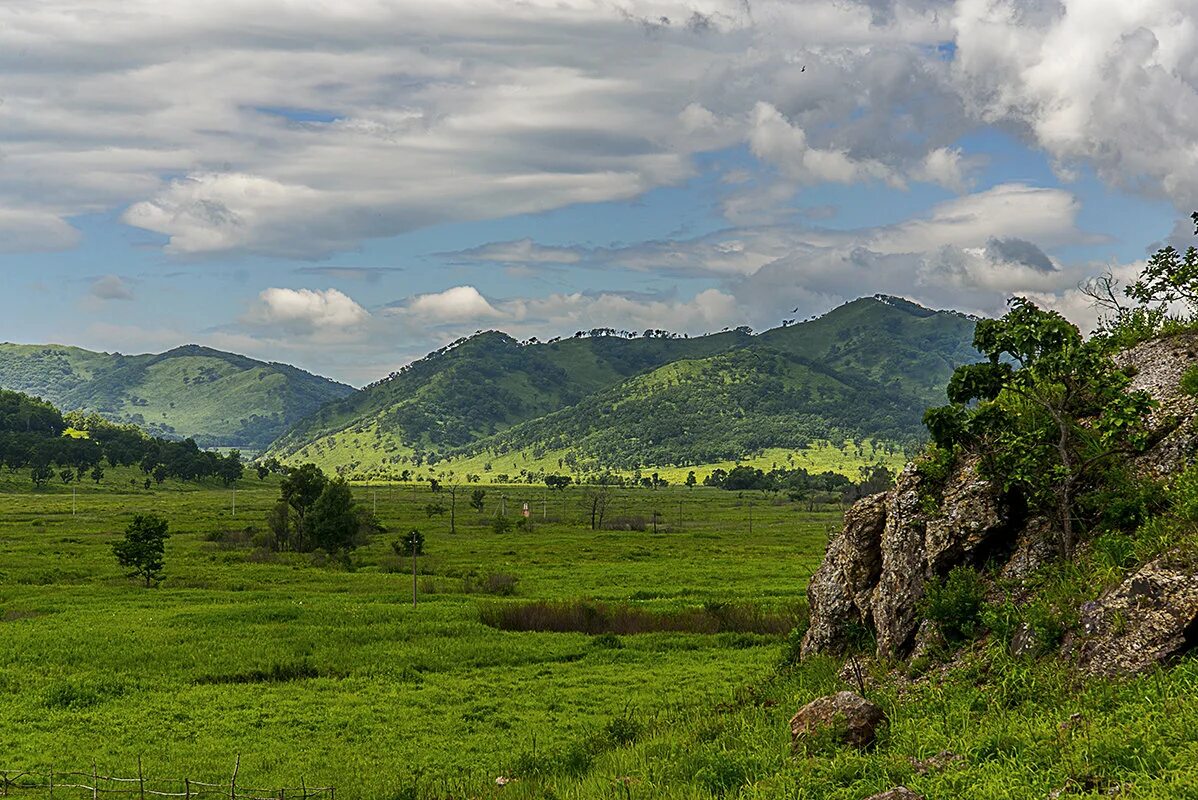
143	548
1047	410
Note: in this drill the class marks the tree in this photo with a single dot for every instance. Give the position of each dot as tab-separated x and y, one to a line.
142	550
690	479
332	523
409	545
97	473
477	499
557	482
262	471
596	500
41	474
230	469
434	510
1047	410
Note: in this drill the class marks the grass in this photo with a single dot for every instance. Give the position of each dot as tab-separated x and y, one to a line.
660	685
326	672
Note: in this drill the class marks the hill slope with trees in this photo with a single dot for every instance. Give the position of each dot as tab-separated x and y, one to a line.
865	370
218	399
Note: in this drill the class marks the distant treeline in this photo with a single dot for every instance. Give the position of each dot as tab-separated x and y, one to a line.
35	435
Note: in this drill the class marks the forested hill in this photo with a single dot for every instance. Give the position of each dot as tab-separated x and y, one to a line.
216	398
864	370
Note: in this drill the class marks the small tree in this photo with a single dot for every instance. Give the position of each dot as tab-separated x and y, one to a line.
409	545
690	479
1049	409
477	499
97	473
557	482
596	500
41	474
143	547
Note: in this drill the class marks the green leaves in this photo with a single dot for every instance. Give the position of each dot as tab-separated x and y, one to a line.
143	547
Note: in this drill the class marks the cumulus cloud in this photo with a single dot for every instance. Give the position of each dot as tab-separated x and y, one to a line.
110	287
307	311
459	304
1103	82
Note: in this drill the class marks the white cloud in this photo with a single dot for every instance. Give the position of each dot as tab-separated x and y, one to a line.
110	287
774	139
309	311
24	230
458	304
1106	82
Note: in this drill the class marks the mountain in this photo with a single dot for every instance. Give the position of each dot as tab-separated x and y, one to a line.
219	399
867	369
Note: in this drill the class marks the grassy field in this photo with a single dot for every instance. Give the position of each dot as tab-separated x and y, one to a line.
327	672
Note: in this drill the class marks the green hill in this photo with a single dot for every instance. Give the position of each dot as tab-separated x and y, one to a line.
219	399
865	370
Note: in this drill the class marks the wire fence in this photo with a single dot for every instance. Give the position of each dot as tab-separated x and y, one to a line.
77	784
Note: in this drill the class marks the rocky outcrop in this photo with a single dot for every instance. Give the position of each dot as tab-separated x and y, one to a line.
1149	619
847	717
1157	367
845	579
875	572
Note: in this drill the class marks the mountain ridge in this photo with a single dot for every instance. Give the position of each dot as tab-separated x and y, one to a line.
218	398
865	369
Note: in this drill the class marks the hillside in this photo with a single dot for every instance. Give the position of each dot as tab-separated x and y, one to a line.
217	398
865	370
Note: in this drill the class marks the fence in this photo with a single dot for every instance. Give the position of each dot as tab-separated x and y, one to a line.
82	784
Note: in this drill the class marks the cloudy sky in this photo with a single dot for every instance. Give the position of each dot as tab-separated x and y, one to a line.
347	185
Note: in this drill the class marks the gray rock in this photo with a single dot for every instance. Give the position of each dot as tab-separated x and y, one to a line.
897	793
839	591
1149	619
847	716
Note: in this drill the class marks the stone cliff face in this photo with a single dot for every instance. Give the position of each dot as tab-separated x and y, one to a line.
876	571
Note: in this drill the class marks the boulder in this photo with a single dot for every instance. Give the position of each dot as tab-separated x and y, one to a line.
1149	619
897	793
839	590
846	716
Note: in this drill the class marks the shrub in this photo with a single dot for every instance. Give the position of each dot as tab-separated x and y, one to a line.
623	730
496	583
1189	381
955	604
501	524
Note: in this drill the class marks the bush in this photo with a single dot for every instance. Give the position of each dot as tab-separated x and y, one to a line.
1189	381
623	730
955	604
501	524
496	583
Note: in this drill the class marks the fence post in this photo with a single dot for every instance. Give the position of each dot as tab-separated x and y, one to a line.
4	780
187	788
303	787
95	783
233	784
51	779
141	781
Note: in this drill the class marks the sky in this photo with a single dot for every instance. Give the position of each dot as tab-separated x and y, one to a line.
348	185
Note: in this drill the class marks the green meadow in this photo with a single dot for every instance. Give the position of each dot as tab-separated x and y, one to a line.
322	669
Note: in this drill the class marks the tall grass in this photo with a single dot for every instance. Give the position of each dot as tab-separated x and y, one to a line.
595	617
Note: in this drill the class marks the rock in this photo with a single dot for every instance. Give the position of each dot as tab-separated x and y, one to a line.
876	570
846	716
897	793
1036	545
1149	619
934	763
918	545
1157	366
838	594
1023	641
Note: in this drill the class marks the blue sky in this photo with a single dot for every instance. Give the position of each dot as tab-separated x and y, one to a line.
342	192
